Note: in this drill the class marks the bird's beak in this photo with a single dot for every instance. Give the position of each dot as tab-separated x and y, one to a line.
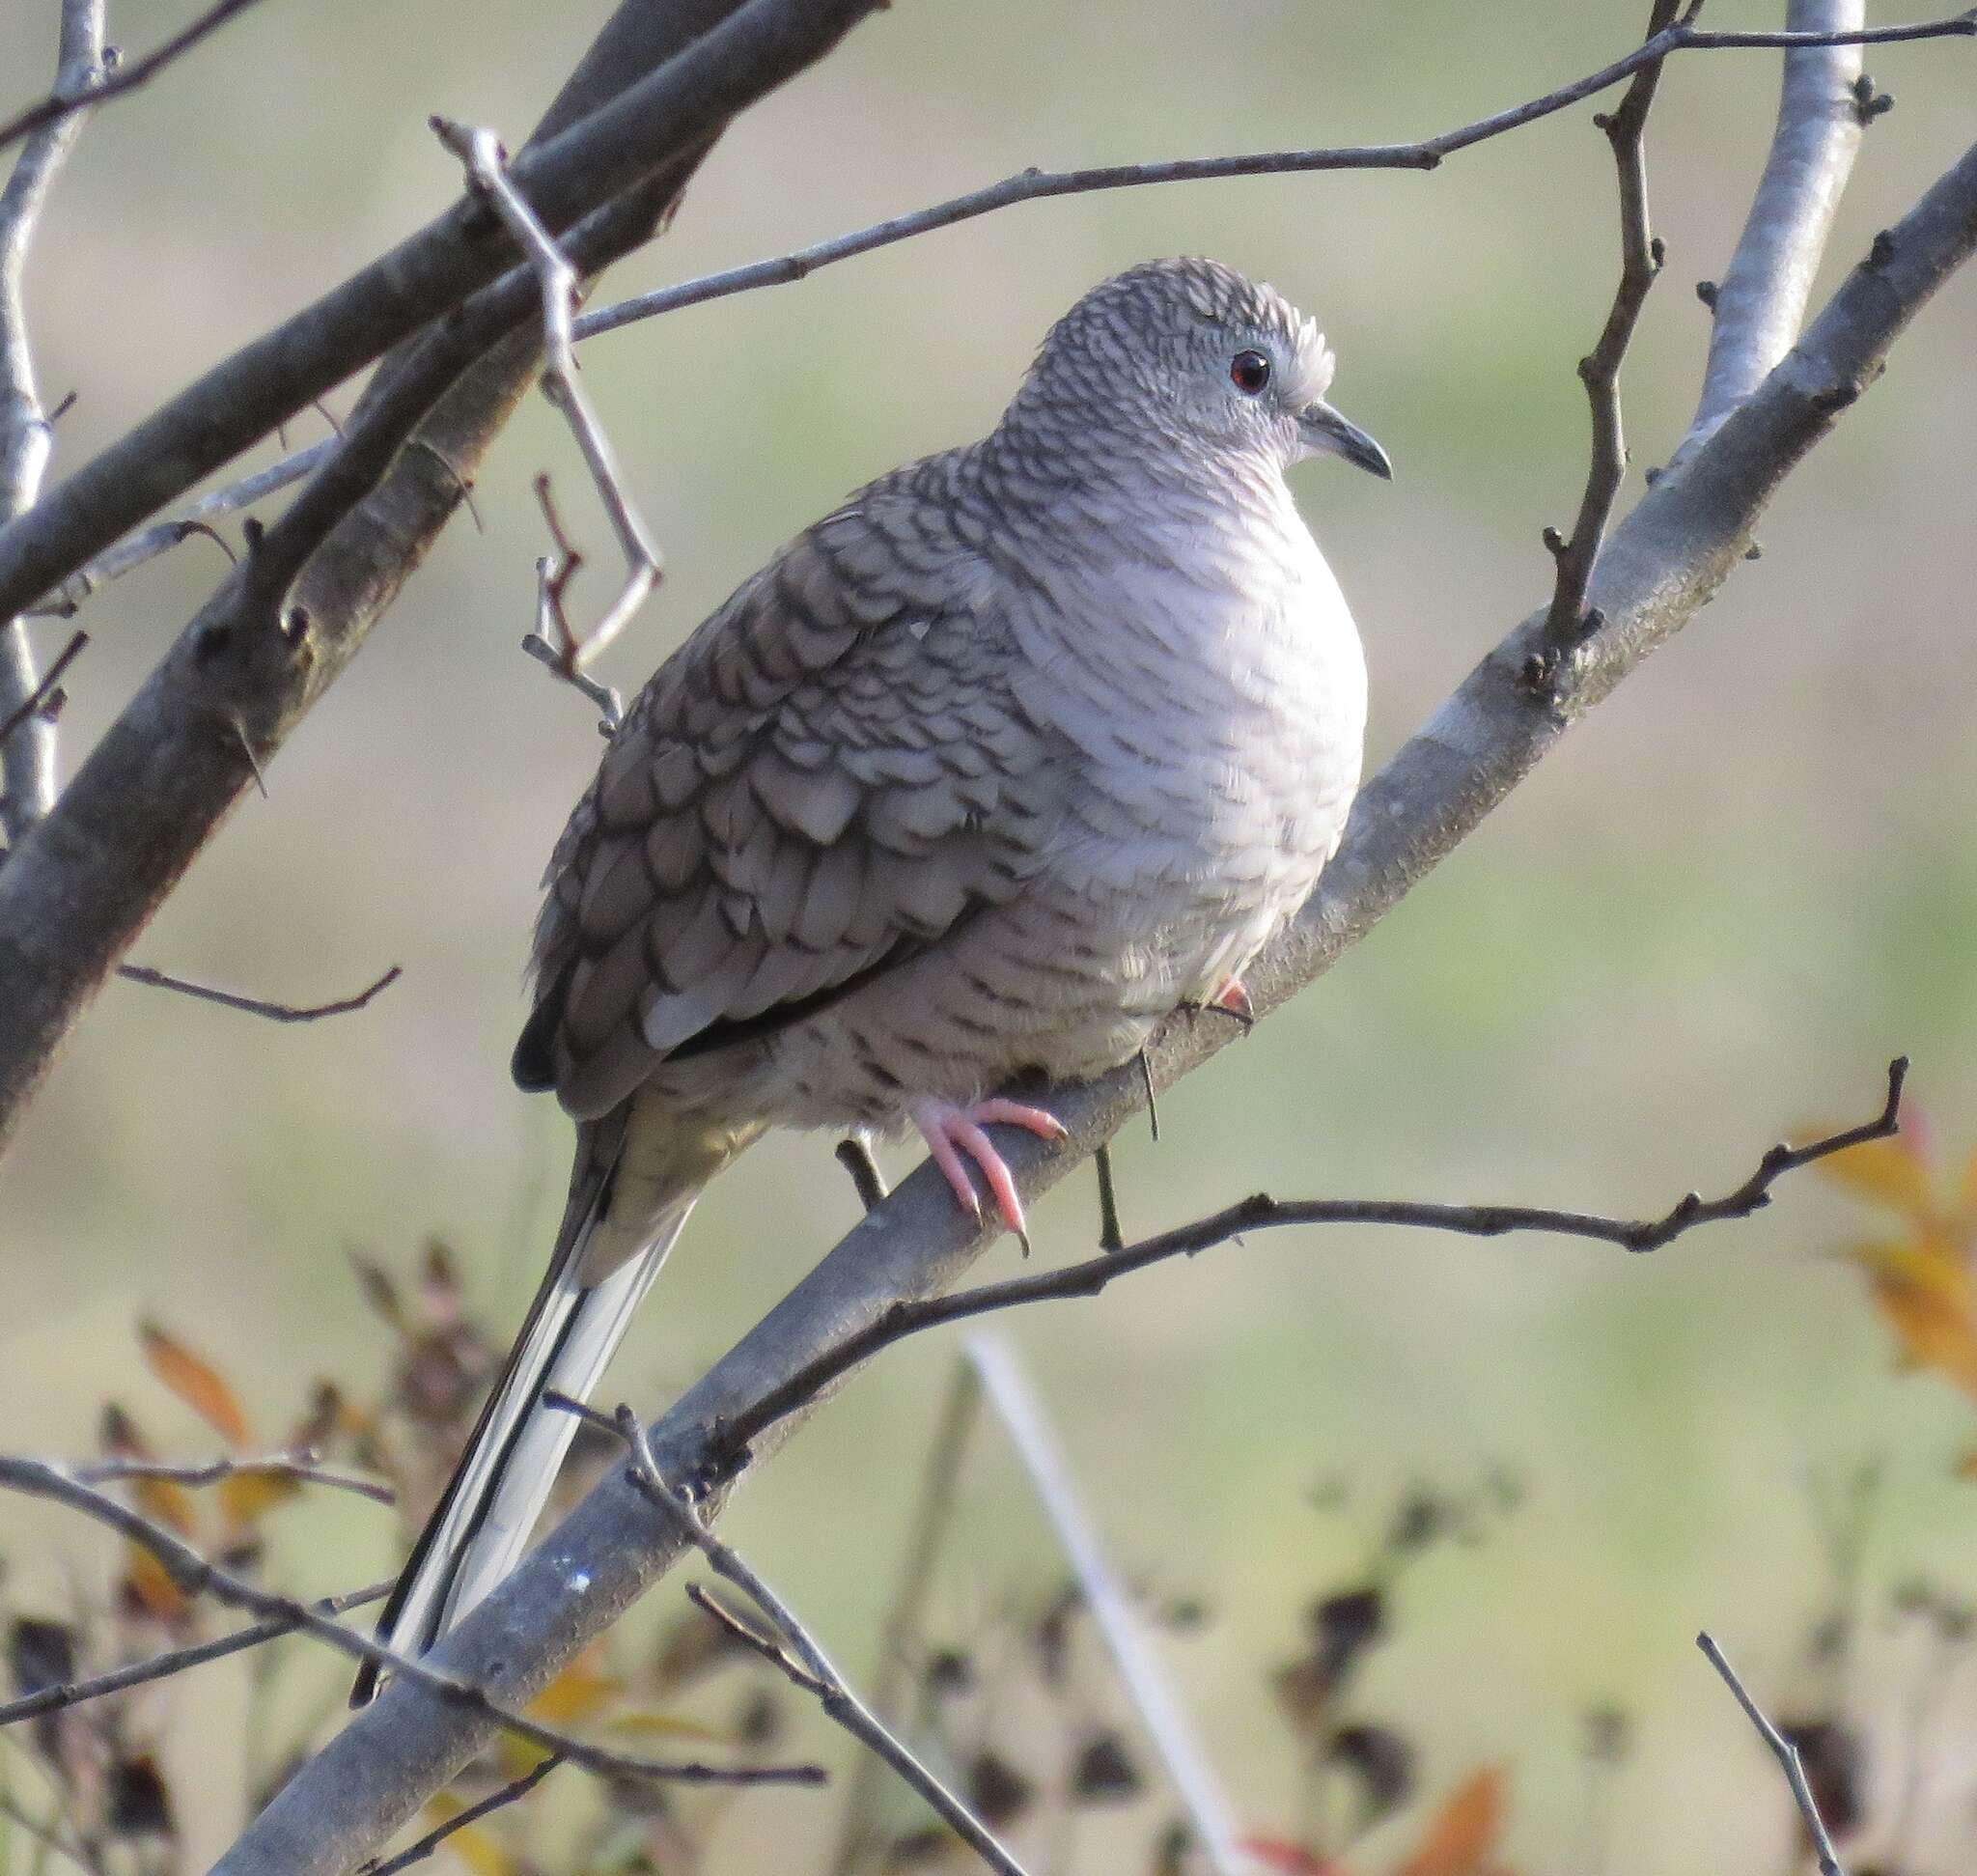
1324	429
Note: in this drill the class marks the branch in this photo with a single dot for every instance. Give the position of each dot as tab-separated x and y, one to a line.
1673	552
301	1467
1263	1213
510	1793
195	1575
47	698
1640	261
27	441
1030	1433
138	974
74	94
158	1667
794	1652
285	623
1039	184
479	150
1761	302
1787	1756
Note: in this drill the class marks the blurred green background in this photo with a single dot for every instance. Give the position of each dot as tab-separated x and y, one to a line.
1714	915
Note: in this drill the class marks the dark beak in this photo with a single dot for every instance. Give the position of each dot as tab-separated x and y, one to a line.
1323	429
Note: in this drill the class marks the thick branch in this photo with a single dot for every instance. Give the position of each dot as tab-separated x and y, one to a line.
1670	555
1759	305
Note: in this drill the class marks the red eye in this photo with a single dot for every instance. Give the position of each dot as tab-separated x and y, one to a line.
1249	371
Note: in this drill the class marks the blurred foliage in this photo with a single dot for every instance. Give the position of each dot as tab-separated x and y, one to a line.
1725	902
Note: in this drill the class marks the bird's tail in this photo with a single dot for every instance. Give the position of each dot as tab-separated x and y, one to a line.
482	1523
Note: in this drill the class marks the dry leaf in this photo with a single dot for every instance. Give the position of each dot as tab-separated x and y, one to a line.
246	1498
1890	1172
196	1382
1925	1290
149	1588
1462	1836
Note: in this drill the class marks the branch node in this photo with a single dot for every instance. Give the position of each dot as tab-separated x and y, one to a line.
1883	250
1869	103
1705	291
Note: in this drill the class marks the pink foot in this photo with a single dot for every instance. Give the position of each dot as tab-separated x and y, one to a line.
950	1132
1234	999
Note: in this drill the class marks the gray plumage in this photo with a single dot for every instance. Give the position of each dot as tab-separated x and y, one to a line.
988	771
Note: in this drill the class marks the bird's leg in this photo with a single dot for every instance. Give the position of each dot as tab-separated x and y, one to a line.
950	1132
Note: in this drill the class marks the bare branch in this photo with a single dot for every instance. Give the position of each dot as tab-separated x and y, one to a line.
1683	539
1029	1430
195	1575
146	544
27	437
553	641
158	1667
301	1467
1037	184
480	152
795	1650
1787	1756
940	1480
138	974
1640	261
45	699
510	1793
1759	305
1261	1212
72	95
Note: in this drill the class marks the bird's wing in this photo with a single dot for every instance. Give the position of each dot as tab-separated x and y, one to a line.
825	779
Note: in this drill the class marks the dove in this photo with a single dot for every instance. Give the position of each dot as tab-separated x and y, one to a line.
1026	745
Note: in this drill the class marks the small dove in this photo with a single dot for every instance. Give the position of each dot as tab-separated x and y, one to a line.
1023	747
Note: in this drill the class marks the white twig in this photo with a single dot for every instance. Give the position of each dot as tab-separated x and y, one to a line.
1760	303
479	150
793	1650
161	537
27	755
1035	1445
1785	1753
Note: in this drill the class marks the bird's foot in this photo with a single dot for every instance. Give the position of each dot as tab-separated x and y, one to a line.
951	1132
1231	1001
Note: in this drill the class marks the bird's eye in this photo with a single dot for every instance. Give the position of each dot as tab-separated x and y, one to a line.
1249	371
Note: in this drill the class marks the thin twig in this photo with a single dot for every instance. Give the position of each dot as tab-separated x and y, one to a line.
554	575
1640	261
1090	1276
1035	185
1209	1812
867	1180
158	1667
479	150
27	435
66	100
1787	1756
940	1488
510	1793
161	537
45	698
793	1649
1111	1236
301	1467
194	1575
139	973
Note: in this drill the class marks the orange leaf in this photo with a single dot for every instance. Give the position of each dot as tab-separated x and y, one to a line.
247	1497
1890	1172
196	1382
575	1693
1925	1290
1463	1833
472	1843
148	1587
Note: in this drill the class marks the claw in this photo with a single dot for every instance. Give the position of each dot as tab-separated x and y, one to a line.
951	1132
1233	999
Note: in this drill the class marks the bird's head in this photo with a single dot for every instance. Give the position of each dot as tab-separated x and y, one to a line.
1190	353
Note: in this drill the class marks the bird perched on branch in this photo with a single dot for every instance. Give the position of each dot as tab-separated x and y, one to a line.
1022	748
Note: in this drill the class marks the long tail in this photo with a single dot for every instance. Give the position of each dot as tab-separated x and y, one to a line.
504	1476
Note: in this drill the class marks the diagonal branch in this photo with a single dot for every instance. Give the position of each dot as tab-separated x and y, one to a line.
1760	301
1672	553
196	1575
